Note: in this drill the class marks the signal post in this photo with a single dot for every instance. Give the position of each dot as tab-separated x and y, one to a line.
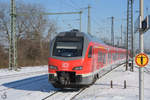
144	26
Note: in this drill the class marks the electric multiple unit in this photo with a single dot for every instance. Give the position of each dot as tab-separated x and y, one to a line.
77	59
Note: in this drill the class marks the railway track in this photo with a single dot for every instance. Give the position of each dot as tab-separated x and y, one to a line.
22	74
70	94
73	97
73	94
50	95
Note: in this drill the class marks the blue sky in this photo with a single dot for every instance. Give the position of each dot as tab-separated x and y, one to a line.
101	11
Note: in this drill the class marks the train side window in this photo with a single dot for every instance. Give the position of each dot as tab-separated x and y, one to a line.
109	57
104	59
100	56
90	52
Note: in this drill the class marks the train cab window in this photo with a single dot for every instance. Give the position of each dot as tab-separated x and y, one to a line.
68	47
90	52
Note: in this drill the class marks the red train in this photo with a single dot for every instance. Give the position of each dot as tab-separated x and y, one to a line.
77	59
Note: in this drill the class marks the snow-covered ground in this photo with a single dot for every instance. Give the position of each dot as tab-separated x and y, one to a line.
102	90
35	86
23	70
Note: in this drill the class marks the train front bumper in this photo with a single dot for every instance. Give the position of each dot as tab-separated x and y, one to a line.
79	79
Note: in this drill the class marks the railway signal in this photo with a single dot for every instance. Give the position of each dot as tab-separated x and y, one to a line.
146	24
141	59
142	25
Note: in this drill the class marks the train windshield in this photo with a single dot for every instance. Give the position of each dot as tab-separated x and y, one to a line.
65	48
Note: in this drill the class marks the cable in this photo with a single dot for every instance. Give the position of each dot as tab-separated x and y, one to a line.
68	5
74	3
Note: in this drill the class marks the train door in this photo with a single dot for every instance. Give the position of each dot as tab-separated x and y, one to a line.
100	58
102	55
90	58
95	59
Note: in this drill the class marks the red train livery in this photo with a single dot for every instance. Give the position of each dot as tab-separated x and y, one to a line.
77	59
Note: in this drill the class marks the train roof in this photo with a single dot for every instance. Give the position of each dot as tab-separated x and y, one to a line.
76	32
91	38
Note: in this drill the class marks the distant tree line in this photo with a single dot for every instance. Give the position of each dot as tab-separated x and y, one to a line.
33	33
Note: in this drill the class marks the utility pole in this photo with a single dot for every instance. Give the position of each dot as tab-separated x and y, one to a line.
12	38
80	20
132	48
141	45
127	36
121	34
89	22
112	31
129	33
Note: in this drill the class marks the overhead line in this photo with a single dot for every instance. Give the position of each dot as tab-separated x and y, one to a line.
69	4
43	13
74	3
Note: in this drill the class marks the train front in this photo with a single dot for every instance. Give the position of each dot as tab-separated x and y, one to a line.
66	60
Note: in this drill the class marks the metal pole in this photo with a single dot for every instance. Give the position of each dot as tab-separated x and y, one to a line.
12	51
112	31
11	39
132	65
14	35
89	24
121	34
80	20
141	44
127	35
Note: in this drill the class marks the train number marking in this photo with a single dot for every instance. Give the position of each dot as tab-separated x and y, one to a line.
65	65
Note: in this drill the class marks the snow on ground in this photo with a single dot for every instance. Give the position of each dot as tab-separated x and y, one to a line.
36	86
101	90
11	75
23	70
24	87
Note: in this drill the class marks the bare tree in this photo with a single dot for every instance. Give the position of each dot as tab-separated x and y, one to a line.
3	57
4	23
32	29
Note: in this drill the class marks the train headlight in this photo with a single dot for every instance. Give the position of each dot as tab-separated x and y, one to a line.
78	68
53	67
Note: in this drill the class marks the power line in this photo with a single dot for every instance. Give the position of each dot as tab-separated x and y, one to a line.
68	4
73	3
93	19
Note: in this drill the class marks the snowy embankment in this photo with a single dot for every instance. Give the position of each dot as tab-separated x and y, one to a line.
36	86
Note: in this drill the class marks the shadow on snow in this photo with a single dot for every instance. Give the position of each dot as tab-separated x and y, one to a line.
37	83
